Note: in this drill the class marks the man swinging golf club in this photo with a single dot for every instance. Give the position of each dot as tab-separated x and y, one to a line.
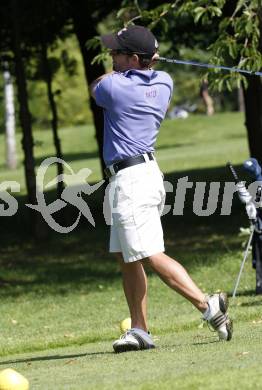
135	99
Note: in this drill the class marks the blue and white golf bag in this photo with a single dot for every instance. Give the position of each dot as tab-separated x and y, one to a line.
254	169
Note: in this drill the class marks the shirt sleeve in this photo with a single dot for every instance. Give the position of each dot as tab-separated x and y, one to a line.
103	92
171	86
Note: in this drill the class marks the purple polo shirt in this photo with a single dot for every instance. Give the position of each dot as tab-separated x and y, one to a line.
135	103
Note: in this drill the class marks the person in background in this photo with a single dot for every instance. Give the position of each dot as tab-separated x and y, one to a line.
207	99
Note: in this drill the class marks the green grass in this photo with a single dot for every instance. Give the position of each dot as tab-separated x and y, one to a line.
62	301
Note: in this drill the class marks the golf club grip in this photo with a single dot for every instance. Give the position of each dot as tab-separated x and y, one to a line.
230	166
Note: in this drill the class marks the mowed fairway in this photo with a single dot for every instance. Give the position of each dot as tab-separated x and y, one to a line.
62	300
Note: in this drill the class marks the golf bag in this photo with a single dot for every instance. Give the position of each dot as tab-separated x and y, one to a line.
254	169
257	251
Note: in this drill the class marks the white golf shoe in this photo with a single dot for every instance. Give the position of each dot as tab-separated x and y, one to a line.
133	340
216	315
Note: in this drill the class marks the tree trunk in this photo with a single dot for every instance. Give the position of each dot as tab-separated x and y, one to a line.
54	121
240	99
24	113
11	159
253	107
85	29
253	120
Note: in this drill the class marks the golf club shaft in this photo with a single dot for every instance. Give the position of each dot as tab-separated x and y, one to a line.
209	66
230	166
244	260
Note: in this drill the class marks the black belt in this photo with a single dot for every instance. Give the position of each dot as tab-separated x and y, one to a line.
127	162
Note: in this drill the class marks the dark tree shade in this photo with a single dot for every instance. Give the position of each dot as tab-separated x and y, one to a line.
85	28
253	118
24	113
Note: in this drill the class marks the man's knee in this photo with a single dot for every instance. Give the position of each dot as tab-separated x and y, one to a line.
123	265
131	266
155	257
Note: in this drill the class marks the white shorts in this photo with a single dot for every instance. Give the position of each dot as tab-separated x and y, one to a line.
138	202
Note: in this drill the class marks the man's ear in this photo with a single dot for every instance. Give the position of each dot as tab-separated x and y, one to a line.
135	58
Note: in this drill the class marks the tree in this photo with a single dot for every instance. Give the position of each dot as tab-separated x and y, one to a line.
86	16
233	32
239	42
46	31
85	29
11	159
24	112
47	74
48	20
21	39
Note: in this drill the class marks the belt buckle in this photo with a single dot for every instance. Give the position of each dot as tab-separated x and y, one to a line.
148	156
151	156
109	171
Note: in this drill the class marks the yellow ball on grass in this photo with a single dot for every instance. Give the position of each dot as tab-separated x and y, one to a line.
12	380
124	325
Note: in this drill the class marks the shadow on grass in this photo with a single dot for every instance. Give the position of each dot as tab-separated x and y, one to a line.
56	265
249	304
206	342
246	293
54	357
70	157
174	145
80	259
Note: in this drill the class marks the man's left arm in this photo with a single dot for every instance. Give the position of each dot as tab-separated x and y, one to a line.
94	83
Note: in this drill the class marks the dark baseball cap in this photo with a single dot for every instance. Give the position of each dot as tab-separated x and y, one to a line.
132	39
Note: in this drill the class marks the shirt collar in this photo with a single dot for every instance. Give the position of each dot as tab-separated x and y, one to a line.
148	73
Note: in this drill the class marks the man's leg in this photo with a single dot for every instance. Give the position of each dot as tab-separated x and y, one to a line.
214	307
135	288
176	277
